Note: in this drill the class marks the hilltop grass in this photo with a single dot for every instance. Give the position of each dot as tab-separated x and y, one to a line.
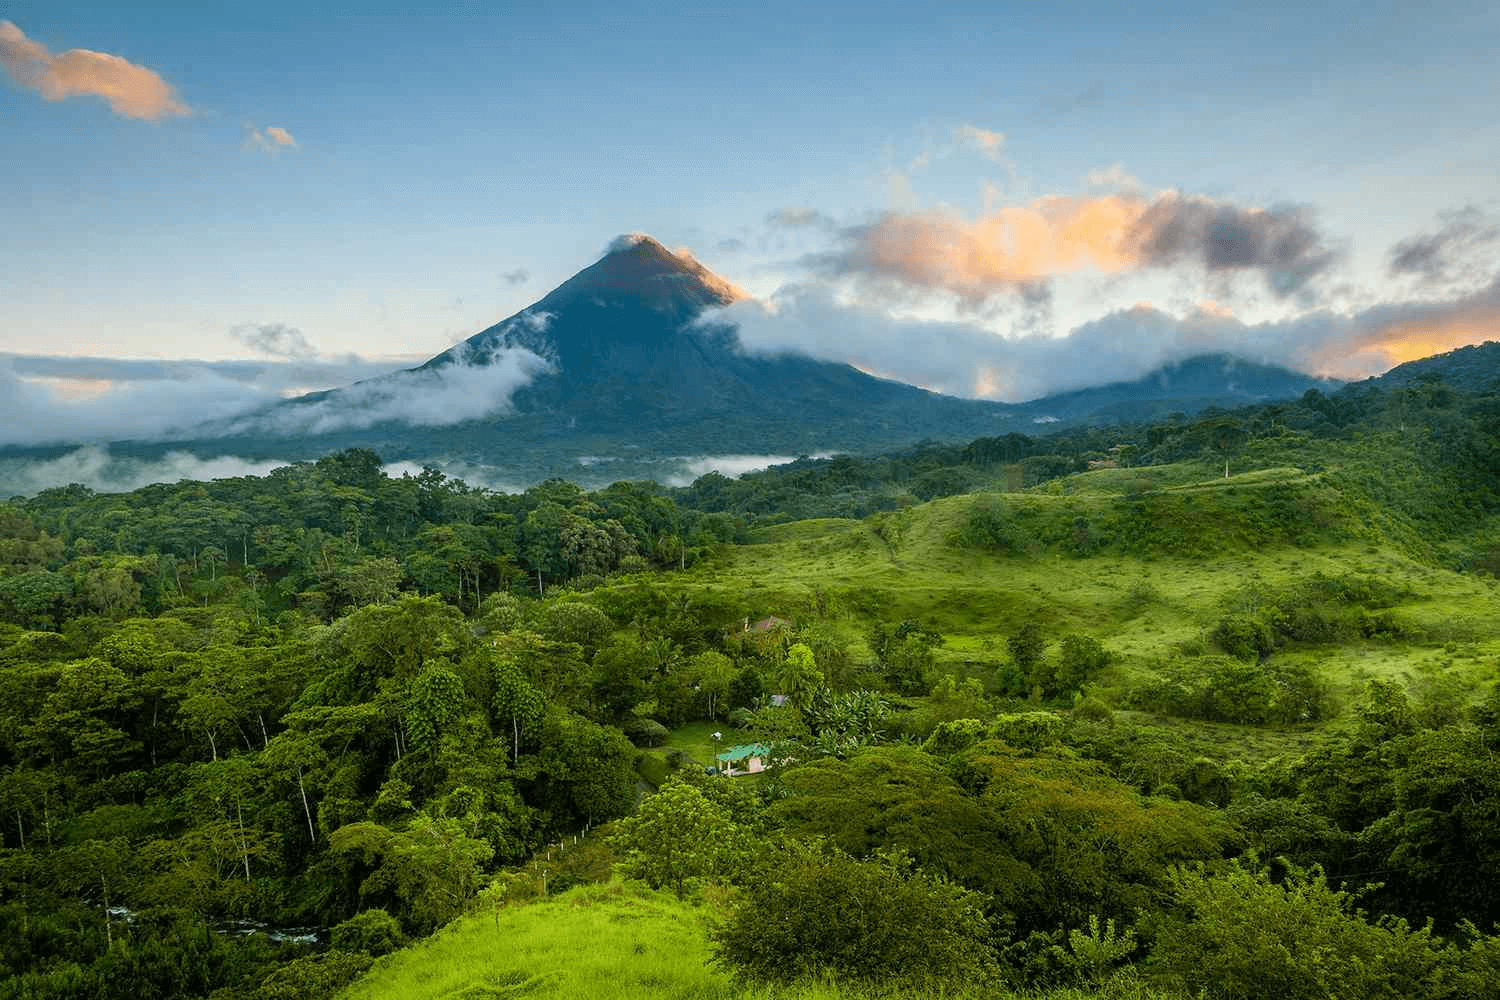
1147	598
593	941
614	941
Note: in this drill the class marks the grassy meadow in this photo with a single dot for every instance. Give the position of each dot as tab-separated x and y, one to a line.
621	941
1149	586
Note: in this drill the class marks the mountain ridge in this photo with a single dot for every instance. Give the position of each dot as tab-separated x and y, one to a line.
627	359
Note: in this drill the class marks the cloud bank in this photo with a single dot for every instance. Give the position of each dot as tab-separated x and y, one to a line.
1019	246
275	340
131	91
48	401
969	360
99	469
465	388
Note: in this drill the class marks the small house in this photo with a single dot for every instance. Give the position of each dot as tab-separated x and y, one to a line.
748	759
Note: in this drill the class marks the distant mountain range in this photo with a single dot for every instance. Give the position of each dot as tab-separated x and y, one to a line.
623	367
1474	369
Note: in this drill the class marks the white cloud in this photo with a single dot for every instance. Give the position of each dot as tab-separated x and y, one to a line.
433	396
690	468
97	468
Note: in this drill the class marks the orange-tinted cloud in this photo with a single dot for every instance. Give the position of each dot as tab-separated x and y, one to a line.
1386	336
271	139
1018	246
1010	247
132	91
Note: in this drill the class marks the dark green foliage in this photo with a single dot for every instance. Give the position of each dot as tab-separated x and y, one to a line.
1243	636
298	697
315	977
1027	646
904	654
1228	690
645	732
815	910
990	526
373	932
1241	935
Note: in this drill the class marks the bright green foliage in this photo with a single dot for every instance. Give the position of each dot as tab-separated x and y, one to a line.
949	700
1028	730
677	838
1097	949
817	910
843	722
433	704
572	621
798	675
714	674
519	706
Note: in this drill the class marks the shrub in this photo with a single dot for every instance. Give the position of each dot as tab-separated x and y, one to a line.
1243	636
314	976
1092	709
1242	935
816	910
373	932
955	737
645	732
1028	730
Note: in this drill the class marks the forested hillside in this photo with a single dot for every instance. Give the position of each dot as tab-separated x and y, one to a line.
1199	705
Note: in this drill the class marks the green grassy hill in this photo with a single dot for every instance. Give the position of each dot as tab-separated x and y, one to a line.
1147	561
623	942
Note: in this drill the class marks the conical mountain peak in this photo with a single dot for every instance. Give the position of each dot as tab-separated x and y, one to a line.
639	268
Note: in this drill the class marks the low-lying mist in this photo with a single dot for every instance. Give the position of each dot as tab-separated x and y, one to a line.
106	471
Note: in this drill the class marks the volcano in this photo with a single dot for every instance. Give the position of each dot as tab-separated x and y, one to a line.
630	363
631	343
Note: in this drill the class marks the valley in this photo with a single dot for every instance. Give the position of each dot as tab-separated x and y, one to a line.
1019	684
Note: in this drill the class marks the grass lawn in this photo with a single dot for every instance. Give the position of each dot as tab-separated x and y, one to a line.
607	941
696	740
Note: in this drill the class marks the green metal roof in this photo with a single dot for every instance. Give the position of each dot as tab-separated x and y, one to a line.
740	753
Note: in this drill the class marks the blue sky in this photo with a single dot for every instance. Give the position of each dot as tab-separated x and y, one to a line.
431	173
